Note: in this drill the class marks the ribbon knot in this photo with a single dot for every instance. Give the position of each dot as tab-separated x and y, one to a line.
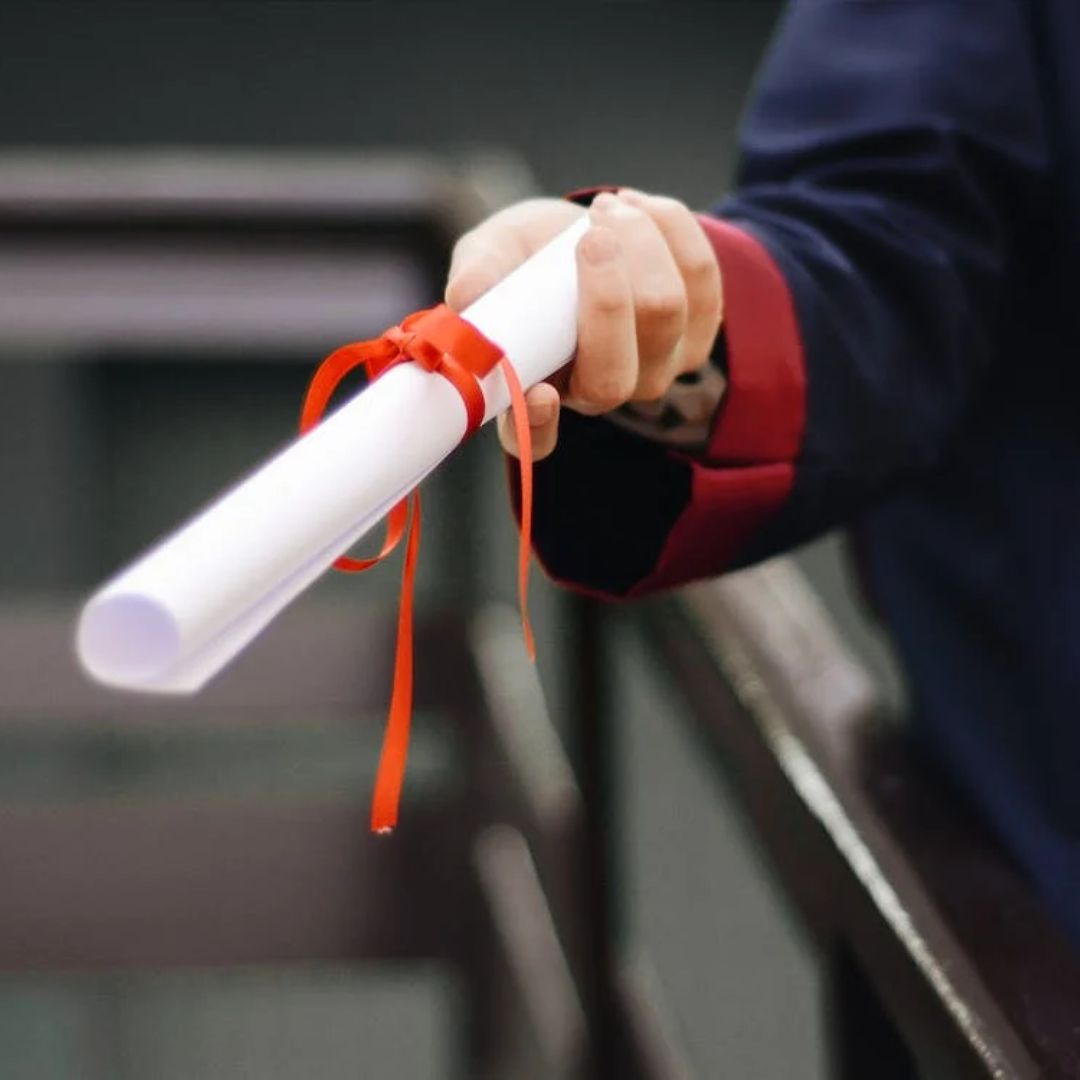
407	344
443	343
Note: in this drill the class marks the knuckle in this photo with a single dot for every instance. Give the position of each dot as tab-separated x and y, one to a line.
610	396
669	207
605	391
595	244
474	269
653	386
662	306
459	247
621	215
456	287
466	258
609	303
702	268
465	247
630	210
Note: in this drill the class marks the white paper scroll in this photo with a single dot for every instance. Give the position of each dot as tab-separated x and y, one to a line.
177	616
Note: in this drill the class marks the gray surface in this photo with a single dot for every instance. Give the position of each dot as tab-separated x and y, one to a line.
740	985
633	93
828	565
272	1024
316	756
586	93
134	297
740	981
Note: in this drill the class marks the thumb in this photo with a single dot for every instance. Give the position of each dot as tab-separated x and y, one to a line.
542	403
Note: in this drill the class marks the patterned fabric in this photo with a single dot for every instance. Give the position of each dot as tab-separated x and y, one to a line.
683	417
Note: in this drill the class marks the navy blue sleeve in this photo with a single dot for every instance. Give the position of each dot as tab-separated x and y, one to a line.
893	163
893	166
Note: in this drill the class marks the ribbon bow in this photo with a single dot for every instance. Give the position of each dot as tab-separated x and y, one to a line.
442	342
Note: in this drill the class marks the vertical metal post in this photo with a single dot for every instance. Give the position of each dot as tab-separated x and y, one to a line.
590	709
862	1039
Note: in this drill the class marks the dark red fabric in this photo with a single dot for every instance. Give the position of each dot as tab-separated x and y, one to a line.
585	196
750	465
763	412
727	506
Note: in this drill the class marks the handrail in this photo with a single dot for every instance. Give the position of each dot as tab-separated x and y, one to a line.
857	826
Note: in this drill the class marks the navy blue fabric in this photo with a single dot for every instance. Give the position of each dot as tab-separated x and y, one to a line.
914	168
605	502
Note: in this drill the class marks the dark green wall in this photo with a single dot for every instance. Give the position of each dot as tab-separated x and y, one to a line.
638	93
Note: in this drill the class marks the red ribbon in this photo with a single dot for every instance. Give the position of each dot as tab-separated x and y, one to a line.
440	341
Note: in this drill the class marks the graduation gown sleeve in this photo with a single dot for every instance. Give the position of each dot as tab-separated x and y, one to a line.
892	154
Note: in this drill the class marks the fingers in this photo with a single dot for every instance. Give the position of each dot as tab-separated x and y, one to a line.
659	295
479	261
485	255
650	298
605	370
697	266
542	402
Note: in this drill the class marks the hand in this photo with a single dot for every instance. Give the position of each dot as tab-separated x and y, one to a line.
650	299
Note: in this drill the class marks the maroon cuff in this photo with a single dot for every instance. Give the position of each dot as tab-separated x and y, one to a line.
750	465
584	196
726	509
749	469
763	412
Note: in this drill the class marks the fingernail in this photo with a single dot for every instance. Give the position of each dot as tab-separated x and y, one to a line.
599	245
605	202
632	196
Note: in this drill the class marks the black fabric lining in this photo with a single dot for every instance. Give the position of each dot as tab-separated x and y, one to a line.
605	502
719	355
689	378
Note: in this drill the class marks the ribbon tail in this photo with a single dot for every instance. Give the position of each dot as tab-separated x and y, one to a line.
520	414
375	356
372	355
395	748
396	524
440	341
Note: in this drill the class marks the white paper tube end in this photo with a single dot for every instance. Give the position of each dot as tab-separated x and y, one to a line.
126	640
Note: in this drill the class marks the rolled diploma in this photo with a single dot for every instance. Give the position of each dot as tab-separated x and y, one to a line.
179	614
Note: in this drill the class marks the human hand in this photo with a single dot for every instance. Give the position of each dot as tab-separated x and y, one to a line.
650	306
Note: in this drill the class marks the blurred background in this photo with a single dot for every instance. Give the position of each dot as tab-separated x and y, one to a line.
139	373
